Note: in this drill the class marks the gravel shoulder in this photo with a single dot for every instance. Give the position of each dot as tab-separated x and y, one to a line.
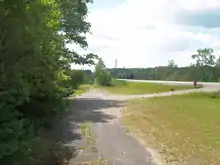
112	142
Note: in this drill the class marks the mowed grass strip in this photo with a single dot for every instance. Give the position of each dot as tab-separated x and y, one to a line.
184	129
124	87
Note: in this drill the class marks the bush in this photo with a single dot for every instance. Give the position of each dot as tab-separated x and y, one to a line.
34	61
76	78
104	78
102	74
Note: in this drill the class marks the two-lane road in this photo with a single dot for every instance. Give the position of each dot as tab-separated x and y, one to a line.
205	84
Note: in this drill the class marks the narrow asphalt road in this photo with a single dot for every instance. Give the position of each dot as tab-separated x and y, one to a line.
112	142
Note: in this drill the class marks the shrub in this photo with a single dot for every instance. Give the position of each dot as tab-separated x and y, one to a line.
102	74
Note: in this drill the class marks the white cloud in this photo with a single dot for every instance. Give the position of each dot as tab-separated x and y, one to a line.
199	4
142	33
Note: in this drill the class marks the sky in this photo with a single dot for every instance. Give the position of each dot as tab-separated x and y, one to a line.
148	33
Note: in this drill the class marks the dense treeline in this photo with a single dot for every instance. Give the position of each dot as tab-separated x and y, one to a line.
35	73
169	73
205	68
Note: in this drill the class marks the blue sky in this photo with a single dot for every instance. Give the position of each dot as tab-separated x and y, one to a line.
148	33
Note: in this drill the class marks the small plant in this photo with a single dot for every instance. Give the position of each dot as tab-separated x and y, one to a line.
90	144
87	133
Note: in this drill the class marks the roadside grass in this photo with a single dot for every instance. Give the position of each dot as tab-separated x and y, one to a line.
124	87
82	88
183	129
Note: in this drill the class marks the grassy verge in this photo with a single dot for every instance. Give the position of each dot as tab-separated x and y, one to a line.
82	88
185	129
123	87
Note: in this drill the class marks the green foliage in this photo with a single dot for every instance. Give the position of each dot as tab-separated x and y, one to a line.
171	63
34	67
76	78
205	68
204	57
88	77
102	75
217	63
167	73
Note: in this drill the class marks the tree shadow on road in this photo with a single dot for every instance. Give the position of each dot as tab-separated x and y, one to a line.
61	139
93	110
67	131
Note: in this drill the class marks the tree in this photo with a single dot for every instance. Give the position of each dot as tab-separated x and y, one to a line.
34	69
171	63
204	57
102	75
204	60
217	63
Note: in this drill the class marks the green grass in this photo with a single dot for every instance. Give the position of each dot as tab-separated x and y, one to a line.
82	89
184	129
123	87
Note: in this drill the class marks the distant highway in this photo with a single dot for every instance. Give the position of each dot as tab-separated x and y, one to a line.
205	84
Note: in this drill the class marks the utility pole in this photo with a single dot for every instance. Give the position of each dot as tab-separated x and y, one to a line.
114	70
116	63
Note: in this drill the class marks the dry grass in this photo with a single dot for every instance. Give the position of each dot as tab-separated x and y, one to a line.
184	129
